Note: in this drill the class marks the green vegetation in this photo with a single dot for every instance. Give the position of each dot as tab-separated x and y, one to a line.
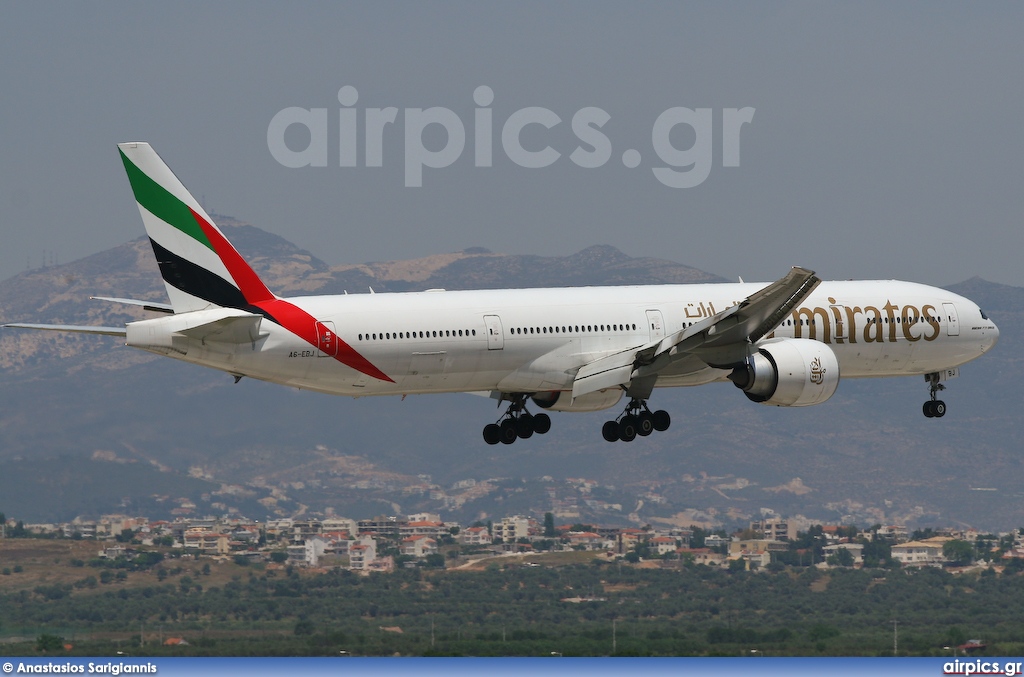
512	609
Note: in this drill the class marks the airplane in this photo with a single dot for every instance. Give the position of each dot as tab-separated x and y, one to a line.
569	349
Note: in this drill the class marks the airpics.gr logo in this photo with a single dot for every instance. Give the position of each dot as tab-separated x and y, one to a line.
680	167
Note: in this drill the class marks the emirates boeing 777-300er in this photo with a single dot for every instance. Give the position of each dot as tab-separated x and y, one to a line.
572	349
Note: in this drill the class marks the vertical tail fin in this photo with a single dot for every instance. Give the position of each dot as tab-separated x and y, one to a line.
199	266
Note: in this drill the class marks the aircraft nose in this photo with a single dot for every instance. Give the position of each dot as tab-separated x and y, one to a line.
992	336
989	334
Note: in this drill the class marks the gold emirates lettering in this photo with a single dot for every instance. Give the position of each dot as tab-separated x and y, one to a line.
868	324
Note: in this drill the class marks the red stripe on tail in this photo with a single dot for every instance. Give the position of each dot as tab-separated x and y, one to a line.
291	317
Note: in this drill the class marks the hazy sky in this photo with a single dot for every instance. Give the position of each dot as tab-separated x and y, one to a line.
886	141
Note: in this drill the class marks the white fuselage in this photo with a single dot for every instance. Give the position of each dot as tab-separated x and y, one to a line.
535	340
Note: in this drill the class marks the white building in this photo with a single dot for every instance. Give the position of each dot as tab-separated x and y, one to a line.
307	553
362	554
419	546
511	529
475	536
920	553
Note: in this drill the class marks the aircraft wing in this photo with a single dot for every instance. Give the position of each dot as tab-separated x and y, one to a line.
719	340
105	331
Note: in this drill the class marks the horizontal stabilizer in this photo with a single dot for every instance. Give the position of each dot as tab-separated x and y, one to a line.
145	305
174	332
236	329
105	331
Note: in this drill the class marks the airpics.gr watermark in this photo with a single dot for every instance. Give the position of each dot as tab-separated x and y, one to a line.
683	168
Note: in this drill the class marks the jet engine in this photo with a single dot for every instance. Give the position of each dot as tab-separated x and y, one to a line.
557	400
788	373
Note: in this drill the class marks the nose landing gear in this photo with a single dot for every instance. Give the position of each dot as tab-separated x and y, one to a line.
934	408
637	419
516	423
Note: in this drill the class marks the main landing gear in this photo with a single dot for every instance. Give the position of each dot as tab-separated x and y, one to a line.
934	408
637	419
516	422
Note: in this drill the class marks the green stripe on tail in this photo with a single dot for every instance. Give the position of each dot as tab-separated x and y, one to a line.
162	204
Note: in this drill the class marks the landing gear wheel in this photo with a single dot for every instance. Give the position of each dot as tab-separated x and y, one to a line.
637	419
645	424
492	433
524	426
516	422
934	408
508	431
627	428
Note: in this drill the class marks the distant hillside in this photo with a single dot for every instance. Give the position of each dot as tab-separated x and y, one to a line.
111	429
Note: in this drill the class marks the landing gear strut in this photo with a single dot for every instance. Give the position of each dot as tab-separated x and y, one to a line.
637	419
516	422
934	408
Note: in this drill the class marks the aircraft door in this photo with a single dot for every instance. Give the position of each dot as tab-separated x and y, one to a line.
952	320
495	337
326	339
656	324
839	335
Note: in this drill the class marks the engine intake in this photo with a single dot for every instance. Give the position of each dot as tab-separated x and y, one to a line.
789	373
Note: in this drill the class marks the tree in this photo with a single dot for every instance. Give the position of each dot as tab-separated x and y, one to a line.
842	558
1014	565
876	552
279	556
958	552
549	525
47	643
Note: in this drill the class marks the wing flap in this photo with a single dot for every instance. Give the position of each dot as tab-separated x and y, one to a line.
606	372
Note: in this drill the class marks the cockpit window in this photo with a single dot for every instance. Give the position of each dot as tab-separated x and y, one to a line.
983	315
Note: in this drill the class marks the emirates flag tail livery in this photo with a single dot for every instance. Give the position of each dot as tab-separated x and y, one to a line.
573	349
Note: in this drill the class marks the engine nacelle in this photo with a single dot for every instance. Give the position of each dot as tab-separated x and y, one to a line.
789	373
557	400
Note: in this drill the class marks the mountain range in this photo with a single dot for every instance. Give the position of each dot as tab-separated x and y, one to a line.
88	426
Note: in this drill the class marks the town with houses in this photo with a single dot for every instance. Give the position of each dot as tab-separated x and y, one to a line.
384	542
